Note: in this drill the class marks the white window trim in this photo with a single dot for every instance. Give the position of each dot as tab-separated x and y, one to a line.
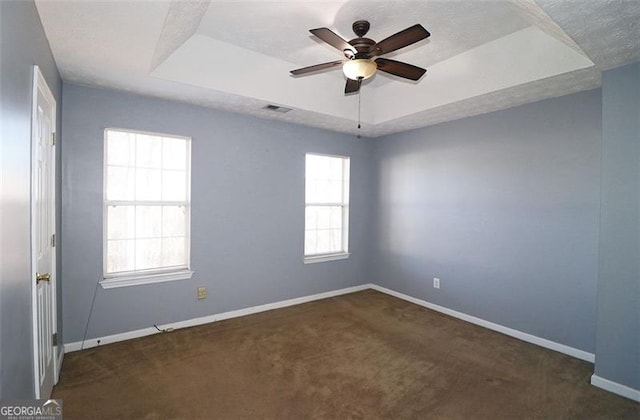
140	279
125	279
312	259
334	256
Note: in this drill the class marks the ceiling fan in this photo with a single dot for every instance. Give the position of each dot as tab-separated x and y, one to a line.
360	53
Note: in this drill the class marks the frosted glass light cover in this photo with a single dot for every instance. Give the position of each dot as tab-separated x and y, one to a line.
359	68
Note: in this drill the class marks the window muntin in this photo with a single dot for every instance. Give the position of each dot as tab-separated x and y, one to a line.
146	206
326	207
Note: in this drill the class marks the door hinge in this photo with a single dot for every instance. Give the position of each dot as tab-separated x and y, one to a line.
53	139
53	240
54	339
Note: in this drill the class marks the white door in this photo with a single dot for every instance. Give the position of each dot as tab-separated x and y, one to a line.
42	235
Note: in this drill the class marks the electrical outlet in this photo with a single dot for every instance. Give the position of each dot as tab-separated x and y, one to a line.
436	283
202	292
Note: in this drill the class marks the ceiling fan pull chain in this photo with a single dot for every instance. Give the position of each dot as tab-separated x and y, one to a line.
359	95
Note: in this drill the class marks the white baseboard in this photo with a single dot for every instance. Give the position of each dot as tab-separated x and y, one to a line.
616	388
542	342
552	345
94	342
605	384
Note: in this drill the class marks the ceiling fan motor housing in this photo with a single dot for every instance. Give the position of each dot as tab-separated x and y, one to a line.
361	44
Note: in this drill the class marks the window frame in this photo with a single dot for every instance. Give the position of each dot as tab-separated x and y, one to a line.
344	204
152	275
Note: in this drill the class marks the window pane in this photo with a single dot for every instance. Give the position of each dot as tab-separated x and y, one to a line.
335	188
311	218
148	151
149	184
174	153
324	179
120	148
336	217
310	242
173	252
313	169
336	240
121	222
174	186
325	192
174	220
148	222
323	241
120	256
324	218
120	183
310	190
323	232
334	170
148	253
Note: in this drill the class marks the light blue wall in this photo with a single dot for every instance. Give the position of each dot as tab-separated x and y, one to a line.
22	45
504	209
247	212
618	326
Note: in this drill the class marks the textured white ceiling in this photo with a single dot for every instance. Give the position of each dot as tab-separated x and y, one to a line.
607	31
235	55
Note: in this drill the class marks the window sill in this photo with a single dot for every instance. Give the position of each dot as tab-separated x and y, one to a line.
323	258
137	280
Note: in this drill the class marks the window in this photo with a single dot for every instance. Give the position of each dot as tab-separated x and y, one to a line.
326	232
146	208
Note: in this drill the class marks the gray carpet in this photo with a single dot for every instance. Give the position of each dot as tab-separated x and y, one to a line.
363	356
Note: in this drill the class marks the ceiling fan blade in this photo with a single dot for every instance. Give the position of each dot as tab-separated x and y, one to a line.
398	68
400	40
352	86
317	67
333	39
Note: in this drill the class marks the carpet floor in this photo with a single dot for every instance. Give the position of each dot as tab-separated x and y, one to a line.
365	355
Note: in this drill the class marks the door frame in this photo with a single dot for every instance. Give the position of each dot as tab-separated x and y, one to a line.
40	85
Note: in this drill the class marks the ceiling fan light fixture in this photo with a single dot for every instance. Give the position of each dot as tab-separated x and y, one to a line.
360	68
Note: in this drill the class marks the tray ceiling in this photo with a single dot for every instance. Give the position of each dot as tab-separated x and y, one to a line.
236	55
